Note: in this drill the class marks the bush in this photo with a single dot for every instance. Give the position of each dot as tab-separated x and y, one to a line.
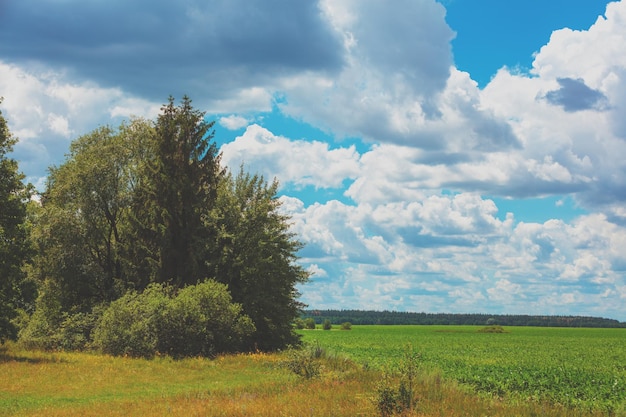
130	325
48	327
327	325
346	326
309	323
200	320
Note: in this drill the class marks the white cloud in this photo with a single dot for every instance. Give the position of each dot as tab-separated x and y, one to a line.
46	111
300	163
517	268
233	122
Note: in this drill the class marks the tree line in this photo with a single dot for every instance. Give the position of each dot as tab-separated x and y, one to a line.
399	317
137	219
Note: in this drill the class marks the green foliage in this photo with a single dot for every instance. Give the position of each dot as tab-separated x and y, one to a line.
326	325
303	363
346	326
361	317
14	243
178	190
82	230
311	360
309	323
51	328
199	320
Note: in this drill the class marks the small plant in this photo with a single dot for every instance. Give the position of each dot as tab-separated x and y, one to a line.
306	362
346	326
386	398
327	325
301	363
309	323
389	399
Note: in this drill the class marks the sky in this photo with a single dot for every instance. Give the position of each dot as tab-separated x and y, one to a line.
454	156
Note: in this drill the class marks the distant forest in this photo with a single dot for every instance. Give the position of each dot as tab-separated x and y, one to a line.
399	317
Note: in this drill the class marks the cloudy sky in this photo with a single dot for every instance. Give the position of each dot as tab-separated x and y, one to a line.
449	156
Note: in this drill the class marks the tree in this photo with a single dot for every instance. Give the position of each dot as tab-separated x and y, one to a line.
179	189
256	257
14	243
82	230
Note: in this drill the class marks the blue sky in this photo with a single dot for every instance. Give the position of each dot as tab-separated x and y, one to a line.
448	156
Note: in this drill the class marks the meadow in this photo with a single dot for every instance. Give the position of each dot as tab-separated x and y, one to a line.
461	372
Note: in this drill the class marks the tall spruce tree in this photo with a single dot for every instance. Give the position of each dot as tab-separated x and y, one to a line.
179	190
14	247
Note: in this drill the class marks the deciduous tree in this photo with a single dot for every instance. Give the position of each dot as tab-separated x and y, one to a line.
14	247
257	256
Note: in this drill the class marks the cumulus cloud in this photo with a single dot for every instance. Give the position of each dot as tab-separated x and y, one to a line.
300	162
506	267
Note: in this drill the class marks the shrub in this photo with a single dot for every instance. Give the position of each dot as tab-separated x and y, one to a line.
51	328
346	326
327	325
200	320
309	361
130	325
309	323
299	324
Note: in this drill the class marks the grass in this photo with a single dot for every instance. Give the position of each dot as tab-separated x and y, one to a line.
351	366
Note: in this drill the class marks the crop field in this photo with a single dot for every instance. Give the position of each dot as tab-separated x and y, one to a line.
579	368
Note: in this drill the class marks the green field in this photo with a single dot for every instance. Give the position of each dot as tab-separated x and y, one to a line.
581	368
